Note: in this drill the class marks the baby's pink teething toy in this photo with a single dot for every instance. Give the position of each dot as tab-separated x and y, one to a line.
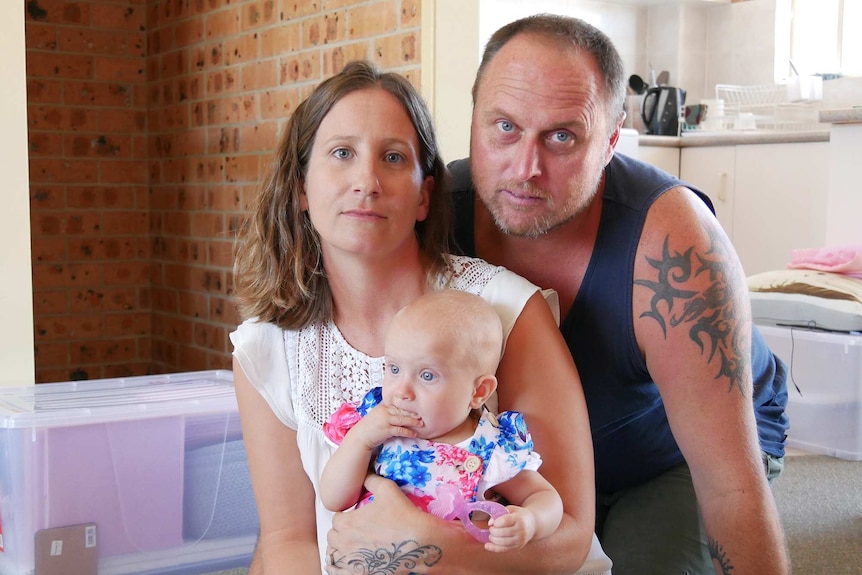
449	505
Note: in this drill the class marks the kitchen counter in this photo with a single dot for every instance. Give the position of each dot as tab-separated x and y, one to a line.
737	137
842	115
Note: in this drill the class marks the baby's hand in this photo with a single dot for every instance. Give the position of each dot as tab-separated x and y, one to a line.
383	422
511	531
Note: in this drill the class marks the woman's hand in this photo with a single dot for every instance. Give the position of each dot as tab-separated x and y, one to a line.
389	535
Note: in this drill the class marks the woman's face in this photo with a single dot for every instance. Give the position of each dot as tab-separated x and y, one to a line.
364	189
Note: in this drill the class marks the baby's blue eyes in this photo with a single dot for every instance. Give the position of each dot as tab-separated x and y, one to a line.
426	376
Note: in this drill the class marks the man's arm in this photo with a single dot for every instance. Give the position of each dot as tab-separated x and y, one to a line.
538	378
693	324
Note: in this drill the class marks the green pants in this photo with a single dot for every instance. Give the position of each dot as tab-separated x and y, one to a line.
656	528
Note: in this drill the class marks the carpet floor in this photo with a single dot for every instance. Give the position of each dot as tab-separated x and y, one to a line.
819	499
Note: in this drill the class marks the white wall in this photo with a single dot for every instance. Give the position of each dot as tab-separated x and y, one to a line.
17	364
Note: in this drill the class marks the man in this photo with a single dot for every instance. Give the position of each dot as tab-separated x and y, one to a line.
653	305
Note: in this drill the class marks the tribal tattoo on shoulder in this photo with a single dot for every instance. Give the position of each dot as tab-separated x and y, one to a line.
405	555
711	315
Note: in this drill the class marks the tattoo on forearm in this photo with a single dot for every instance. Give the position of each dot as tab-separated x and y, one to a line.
719	557
405	555
711	315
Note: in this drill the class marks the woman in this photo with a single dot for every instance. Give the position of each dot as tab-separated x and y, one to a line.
352	225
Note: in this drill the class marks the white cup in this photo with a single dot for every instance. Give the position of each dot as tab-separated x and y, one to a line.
714	108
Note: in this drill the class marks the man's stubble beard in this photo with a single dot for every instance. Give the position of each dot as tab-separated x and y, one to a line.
579	201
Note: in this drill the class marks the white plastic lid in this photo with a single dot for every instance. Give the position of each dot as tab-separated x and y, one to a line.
102	400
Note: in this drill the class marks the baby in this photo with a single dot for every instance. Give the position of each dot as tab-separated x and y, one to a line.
427	428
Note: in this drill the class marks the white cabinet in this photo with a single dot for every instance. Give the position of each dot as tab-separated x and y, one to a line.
770	198
711	170
662	157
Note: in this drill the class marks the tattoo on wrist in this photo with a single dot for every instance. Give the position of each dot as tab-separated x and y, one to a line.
719	557
405	555
711	314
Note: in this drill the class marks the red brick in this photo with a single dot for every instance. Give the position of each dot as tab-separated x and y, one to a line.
38	36
44	91
221	253
166	300
104	351
242	168
49	301
70	275
241	48
259	13
61	118
78	93
189	251
411	13
223	309
194	358
335	59
122	121
50	64
58	12
44	197
304	67
77	171
52	354
96	41
283	39
224	198
49	249
260	75
223	23
210	337
125	223
98	146
119	16
64	223
45	144
300	8
119	69
122	171
127	324
279	104
103	299
397	50
189	32
126	273
68	327
194	304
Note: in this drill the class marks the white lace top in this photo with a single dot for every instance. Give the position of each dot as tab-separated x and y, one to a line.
305	375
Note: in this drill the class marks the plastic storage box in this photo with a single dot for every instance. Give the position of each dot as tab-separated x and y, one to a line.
824	388
157	463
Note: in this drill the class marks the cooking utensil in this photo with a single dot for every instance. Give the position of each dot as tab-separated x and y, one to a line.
663	78
637	84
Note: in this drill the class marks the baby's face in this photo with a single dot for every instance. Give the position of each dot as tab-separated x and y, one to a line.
426	376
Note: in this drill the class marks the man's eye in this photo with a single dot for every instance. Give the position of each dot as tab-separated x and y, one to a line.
342	153
561	137
426	376
505	126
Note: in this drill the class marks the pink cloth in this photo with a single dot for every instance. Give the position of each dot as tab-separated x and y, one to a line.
845	260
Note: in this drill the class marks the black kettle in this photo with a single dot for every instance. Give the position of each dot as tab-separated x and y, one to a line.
661	109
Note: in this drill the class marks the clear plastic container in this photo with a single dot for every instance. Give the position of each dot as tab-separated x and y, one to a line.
117	453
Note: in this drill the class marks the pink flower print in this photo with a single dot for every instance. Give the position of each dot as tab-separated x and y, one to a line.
340	422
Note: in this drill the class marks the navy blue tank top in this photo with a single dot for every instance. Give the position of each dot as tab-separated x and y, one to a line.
631	435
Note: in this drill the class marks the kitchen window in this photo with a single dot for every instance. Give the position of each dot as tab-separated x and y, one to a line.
825	37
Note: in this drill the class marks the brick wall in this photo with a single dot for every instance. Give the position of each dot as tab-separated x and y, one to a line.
151	124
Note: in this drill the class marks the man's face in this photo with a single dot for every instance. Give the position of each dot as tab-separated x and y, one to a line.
540	137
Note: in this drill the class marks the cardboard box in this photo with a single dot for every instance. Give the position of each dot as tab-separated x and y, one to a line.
824	389
115	454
